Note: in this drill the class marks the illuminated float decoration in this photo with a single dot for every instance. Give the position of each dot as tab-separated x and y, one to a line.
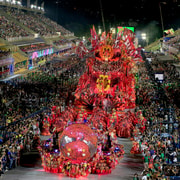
78	142
104	104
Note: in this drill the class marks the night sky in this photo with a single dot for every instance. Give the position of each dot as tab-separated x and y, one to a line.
78	16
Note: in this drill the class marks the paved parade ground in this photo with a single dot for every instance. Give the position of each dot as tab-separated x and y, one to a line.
125	170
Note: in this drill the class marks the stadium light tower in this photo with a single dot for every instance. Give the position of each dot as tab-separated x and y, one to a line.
42	6
102	15
144	37
36	4
28	3
57	6
99	30
160	9
13	2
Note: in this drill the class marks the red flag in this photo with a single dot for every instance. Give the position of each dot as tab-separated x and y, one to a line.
103	36
94	38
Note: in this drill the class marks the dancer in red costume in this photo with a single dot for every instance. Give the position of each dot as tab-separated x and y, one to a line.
45	128
124	128
135	148
141	121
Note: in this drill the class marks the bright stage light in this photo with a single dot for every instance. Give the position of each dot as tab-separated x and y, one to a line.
143	35
113	30
99	31
18	2
13	2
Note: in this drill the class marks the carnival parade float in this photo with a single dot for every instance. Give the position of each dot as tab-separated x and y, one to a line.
84	136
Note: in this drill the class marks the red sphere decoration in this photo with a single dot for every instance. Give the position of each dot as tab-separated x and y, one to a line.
78	142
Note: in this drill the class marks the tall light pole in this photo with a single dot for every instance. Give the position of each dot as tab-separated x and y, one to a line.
57	6
102	15
161	16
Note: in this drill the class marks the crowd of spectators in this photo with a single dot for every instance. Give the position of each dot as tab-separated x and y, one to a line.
168	69
174	41
24	99
54	25
171	82
29	20
160	142
173	93
9	29
172	46
168	45
61	42
21	137
170	72
36	22
4	54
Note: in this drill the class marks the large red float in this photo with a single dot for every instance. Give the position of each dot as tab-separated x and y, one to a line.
104	109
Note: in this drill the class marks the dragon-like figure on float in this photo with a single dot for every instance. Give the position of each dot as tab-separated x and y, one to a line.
103	109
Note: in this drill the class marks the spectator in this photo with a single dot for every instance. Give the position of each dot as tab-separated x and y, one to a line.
135	177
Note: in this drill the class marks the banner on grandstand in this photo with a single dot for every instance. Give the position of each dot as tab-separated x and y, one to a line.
169	31
11	69
41	53
6	61
168	38
120	28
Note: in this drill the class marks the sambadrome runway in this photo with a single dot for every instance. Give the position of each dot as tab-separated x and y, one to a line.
125	170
